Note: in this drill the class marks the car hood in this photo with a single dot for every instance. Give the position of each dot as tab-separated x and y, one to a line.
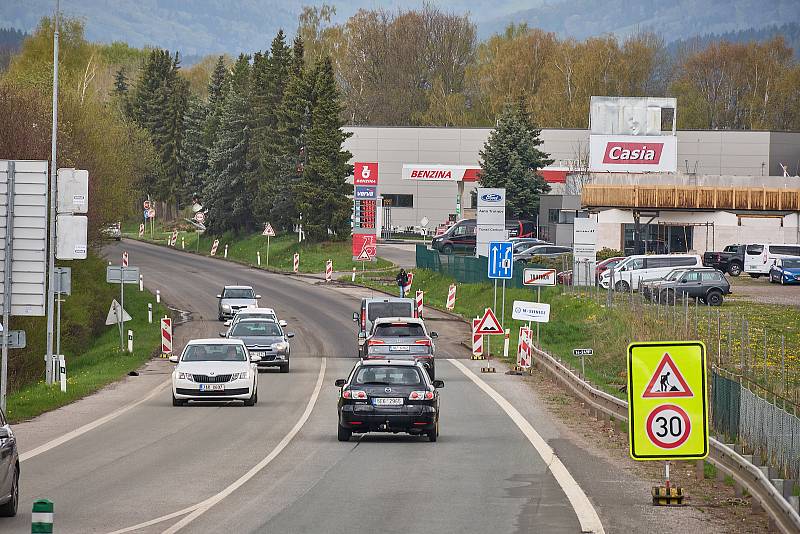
261	341
790	270
239	302
216	367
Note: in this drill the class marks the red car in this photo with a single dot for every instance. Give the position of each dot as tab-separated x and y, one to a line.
607	264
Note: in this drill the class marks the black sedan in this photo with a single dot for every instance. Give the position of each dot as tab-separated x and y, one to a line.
9	470
389	396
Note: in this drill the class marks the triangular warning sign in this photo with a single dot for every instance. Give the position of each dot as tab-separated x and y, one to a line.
114	312
489	324
667	381
364	256
268	231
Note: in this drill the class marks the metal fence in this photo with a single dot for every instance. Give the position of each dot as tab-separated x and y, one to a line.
465	269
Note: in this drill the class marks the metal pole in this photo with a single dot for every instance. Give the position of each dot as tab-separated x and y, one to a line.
9	253
51	254
121	308
267	251
538	299
494	306
503	314
58	326
765	357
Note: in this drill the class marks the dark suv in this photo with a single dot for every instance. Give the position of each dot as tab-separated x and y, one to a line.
705	285
461	237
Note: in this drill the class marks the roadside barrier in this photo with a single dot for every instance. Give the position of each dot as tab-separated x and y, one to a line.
353	277
258	257
141	282
524	348
141	230
42	517
130	341
158	296
174	239
418	299
506	341
225	252
166	337
328	270
214	247
296	262
451	298
477	341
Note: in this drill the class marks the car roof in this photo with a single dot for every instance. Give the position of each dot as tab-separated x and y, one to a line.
400	363
215	341
414	320
256	310
238	287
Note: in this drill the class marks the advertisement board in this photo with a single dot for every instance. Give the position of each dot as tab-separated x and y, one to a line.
365	173
365	210
633	153
433	172
491	218
584	250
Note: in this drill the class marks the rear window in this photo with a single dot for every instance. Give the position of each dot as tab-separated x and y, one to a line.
399	330
731	248
684	261
261	328
244	315
709	276
238	294
754	250
785	250
387	375
376	310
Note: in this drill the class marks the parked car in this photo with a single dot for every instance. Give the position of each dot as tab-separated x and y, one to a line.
705	285
730	260
630	271
235	298
518	244
265	339
255	313
388	396
402	338
648	287
214	369
112	231
9	469
461	237
546	251
785	271
376	308
759	257
606	264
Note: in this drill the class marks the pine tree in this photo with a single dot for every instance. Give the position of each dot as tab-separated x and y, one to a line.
322	192
217	86
510	158
194	157
120	83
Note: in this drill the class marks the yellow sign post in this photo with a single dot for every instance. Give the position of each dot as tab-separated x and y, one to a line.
667	400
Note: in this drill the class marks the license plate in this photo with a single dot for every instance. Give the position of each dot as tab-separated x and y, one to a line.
212	387
260	354
386	401
401	348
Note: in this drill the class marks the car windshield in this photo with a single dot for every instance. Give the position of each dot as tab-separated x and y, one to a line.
256	328
791	264
399	330
387	375
260	315
214	353
376	310
674	274
238	294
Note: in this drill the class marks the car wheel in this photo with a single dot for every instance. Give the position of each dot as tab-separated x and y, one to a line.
285	368
177	402
734	269
622	286
783	281
447	249
344	434
253	398
714	298
771	279
433	435
9	509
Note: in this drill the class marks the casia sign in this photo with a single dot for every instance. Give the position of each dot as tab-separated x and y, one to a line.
633	153
432	172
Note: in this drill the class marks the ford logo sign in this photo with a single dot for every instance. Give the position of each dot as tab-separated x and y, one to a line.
491	197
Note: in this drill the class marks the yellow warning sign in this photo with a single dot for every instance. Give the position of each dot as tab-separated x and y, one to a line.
667	400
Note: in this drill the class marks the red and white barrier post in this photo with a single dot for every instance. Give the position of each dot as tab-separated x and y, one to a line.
214	247
418	299
451	297
125	259
506	341
296	262
141	230
477	341
328	270
524	347
166	337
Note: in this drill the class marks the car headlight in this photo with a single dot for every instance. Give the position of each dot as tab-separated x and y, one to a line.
281	346
244	375
226	306
185	376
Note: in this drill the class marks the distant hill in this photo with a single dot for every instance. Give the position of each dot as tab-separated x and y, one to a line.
10	41
789	32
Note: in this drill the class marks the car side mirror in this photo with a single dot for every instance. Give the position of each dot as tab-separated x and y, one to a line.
340	382
290	335
255	358
173	359
4	433
223	334
434	335
438	384
283	324
355	317
258	296
219	296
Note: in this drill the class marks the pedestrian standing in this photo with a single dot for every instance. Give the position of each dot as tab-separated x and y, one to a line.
402	281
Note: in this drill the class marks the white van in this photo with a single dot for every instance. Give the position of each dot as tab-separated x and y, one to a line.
759	257
629	272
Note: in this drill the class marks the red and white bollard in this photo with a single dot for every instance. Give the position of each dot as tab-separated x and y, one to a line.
477	341
407	288
328	270
296	262
418	299
451	297
141	230
125	259
214	247
524	348
166	336
174	238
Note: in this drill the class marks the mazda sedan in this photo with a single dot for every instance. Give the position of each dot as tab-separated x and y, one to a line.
389	396
214	370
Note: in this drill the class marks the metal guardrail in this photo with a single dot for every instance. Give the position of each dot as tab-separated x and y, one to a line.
749	476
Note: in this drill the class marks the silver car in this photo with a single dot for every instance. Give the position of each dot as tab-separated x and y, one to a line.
264	339
235	298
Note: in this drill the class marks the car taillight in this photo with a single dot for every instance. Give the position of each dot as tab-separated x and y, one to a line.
363	319
421	395
426	342
375	342
358	395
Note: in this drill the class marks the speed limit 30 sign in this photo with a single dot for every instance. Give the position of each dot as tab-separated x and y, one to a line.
667	401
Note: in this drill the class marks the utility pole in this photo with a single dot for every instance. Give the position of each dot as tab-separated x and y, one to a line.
51	249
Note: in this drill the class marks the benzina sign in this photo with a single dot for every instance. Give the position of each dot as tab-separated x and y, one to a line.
633	153
424	172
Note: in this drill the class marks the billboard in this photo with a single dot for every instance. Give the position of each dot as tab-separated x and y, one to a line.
633	153
584	248
365	173
433	173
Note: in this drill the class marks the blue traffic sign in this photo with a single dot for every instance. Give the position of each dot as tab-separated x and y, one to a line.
501	260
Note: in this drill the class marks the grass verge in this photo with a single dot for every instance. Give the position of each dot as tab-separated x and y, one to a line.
99	365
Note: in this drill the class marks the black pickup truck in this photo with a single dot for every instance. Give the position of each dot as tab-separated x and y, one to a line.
730	260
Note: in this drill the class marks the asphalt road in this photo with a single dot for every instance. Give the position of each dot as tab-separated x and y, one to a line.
157	468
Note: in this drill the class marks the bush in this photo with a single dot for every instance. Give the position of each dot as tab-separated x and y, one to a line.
605	253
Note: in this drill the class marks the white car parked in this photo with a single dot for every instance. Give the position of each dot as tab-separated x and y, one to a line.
215	369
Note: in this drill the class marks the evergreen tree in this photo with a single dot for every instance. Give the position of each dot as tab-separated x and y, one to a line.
217	87
120	83
194	157
321	195
510	158
225	194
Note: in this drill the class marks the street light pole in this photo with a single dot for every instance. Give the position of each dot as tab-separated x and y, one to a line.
52	203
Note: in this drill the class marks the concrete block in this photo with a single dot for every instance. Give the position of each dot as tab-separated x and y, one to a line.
794	500
784	486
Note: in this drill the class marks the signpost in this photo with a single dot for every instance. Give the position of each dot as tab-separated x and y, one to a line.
667	405
501	266
583	353
491	219
121	275
365	208
488	325
269	232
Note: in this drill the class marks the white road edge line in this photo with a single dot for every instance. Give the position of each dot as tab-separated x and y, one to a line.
587	515
89	426
205	505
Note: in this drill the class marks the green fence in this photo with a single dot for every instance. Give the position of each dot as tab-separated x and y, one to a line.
465	269
725	405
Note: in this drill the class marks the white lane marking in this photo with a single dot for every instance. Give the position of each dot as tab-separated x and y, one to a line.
204	506
587	515
90	426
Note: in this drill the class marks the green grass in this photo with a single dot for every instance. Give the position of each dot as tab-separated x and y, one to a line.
709	470
281	250
99	364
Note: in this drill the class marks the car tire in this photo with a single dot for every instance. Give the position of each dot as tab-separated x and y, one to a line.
714	298
447	249
734	269
177	402
771	279
9	509
433	435
622	286
253	399
344	434
285	368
